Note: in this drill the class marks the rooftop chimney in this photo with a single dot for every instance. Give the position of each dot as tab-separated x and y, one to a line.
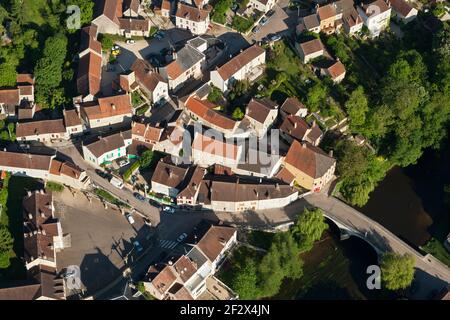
113	106
330	153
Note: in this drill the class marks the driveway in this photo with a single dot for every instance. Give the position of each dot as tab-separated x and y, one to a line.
282	22
100	238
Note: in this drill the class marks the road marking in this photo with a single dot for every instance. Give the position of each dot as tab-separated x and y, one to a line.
167	244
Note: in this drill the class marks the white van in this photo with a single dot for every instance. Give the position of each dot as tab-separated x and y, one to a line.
116	182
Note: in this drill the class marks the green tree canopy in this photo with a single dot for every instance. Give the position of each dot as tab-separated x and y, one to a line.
357	107
245	281
237	114
6	245
397	271
309	227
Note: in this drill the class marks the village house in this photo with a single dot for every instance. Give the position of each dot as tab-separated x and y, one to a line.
261	113
294	127
187	196
327	18
134	27
145	77
20	96
72	122
376	16
403	11
43	236
237	194
107	148
207	151
171	141
145	133
262	5
292	106
90	64
168	178
186	64
247	65
203	112
44	167
331	68
42	239
43	131
311	167
107	112
192	18
352	22
107	13
258	163
131	8
309	50
309	23
191	276
165	9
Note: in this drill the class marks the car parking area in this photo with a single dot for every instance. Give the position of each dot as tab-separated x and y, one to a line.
100	238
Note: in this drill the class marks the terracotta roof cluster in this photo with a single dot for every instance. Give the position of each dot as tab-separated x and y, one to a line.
109	107
169	175
241	60
64	168
25	160
12	96
204	110
352	18
299	129
309	159
215	147
311	21
89	40
32	128
171	280
89	74
146	132
107	144
40	226
71	118
186	58
259	109
191	13
112	9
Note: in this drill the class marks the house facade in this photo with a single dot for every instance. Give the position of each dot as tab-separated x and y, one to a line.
261	114
247	65
108	148
192	18
168	179
375	15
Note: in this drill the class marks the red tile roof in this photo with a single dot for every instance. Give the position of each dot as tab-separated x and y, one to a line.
191	13
204	110
109	107
215	147
336	70
215	239
238	62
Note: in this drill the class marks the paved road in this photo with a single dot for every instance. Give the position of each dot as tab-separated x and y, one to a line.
430	272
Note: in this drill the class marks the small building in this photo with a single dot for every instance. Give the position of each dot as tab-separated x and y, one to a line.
262	5
192	18
309	23
42	131
134	27
150	81
207	151
375	15
292	106
311	167
186	197
309	50
333	69
247	65
106	16
261	114
108	148
22	94
186	64
168	179
146	133
72	122
294	127
328	17
107	112
403	11
352	22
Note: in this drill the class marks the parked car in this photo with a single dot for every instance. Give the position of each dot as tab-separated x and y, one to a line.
270	13
139	196
130	41
274	37
116	182
123	163
263	21
256	29
133	179
147	222
129	218
138	246
103	174
168	209
154	203
181	237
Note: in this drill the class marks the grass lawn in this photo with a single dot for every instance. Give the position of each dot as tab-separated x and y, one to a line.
18	187
437	249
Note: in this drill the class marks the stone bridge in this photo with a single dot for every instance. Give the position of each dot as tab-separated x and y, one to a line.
430	272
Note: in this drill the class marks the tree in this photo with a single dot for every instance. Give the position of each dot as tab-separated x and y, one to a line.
87	10
357	107
244	283
397	271
309	228
316	96
48	71
215	94
146	158
238	114
6	245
